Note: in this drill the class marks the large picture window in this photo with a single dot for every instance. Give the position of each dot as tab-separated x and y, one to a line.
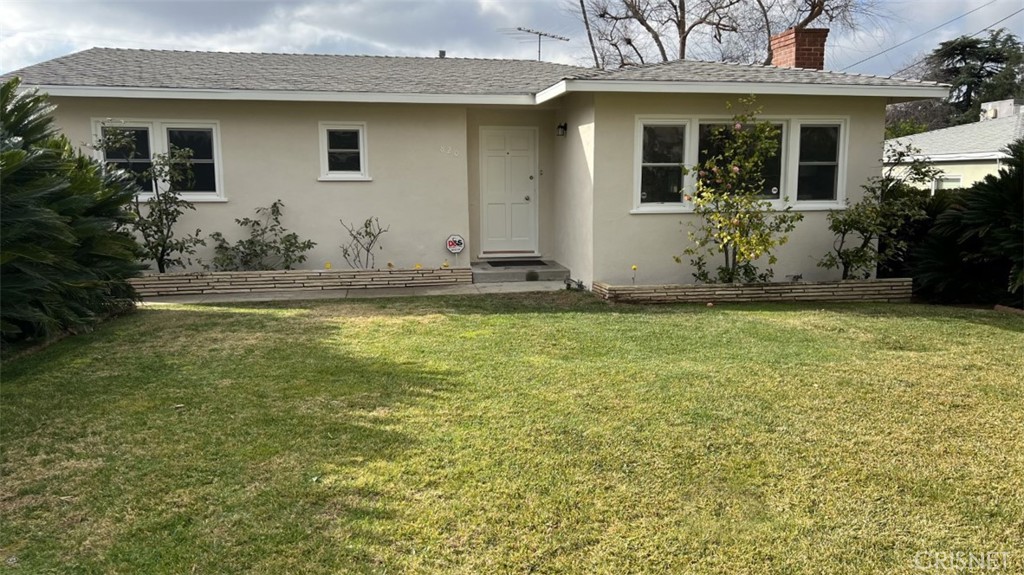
343	152
807	170
711	144
132	145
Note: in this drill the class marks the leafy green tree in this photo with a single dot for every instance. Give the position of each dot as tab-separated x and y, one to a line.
738	224
979	70
65	249
867	231
156	217
269	246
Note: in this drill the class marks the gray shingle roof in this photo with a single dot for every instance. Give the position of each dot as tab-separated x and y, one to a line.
167	69
111	67
989	136
698	71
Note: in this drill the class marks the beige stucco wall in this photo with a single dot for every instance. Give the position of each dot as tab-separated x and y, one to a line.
417	159
649	241
969	172
424	161
573	207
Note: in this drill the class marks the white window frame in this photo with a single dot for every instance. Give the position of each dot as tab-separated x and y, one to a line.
160	145
790	128
687	182
843	159
959	179
783	198
326	175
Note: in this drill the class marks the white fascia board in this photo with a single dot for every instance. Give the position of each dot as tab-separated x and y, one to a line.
967	157
788	89
551	92
283	95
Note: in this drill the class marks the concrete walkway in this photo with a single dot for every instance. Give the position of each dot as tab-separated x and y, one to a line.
297	295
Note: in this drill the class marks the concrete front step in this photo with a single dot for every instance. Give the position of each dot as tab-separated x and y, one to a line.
493	271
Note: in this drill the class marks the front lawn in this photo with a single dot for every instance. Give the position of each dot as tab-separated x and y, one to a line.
534	433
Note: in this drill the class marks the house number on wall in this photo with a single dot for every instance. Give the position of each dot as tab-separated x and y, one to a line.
449	151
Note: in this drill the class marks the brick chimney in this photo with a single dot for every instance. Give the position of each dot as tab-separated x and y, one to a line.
803	48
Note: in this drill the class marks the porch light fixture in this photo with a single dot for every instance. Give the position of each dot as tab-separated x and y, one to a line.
562	129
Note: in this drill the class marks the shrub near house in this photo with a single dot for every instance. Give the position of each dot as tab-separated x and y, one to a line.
66	251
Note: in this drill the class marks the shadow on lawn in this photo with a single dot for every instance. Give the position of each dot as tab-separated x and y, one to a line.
228	439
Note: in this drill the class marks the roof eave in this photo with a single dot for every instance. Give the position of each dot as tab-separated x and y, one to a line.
789	89
281	95
956	157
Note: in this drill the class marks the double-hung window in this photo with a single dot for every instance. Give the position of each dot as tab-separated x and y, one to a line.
343	152
662	156
818	173
133	145
129	148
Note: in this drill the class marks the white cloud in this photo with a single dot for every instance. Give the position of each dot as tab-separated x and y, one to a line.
36	30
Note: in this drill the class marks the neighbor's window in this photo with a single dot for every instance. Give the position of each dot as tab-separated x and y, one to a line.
128	148
945	182
818	176
711	144
343	151
132	144
661	162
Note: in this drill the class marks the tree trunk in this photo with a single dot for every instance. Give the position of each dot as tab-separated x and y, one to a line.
590	35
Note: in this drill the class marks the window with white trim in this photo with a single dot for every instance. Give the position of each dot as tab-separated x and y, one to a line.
132	145
946	182
710	145
807	171
661	162
343	152
818	172
129	148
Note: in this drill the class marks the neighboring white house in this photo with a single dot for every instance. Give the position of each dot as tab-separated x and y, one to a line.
968	153
522	158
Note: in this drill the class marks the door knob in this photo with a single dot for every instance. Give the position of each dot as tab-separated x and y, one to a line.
527	198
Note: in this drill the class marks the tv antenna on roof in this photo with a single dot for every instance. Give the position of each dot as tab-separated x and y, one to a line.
540	35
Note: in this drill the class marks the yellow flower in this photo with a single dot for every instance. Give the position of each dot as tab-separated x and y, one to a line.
634	267
327	266
418	266
445	264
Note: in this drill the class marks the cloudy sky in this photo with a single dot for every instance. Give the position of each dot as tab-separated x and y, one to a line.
35	30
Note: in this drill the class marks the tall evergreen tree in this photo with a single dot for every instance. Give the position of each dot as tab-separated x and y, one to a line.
979	70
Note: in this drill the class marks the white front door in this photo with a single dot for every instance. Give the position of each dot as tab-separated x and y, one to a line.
508	191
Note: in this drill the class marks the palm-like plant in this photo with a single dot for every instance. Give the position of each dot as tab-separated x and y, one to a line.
975	250
64	252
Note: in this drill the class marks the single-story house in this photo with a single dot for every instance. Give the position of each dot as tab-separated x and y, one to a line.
521	158
969	152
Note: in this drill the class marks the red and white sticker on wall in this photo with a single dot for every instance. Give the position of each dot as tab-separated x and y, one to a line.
455	243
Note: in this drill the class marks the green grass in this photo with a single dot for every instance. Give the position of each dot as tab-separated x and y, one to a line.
520	434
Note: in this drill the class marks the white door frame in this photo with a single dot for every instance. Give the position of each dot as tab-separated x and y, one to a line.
534	202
